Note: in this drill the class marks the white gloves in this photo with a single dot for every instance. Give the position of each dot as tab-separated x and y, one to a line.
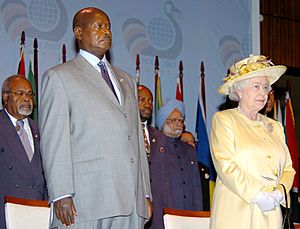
268	201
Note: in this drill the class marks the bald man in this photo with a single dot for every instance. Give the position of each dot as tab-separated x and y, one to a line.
91	139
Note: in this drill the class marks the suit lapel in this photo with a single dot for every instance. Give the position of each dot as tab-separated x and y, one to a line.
120	83
35	137
88	72
11	137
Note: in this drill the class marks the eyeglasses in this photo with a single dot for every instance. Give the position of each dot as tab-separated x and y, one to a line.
176	120
21	93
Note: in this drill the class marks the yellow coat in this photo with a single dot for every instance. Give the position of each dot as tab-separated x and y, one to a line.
249	157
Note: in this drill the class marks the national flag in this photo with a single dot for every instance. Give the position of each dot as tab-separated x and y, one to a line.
137	74
158	94
179	85
31	78
179	95
293	148
203	148
21	68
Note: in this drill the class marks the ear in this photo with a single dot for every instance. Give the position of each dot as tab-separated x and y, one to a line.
239	92
78	32
5	98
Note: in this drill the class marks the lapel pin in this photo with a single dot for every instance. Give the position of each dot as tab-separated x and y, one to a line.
161	149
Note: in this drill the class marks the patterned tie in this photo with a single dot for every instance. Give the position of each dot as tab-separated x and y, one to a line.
24	138
105	76
146	142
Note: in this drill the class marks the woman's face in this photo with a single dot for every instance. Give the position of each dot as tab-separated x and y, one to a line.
254	95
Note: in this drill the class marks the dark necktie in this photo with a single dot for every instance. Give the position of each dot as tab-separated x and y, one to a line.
24	138
146	142
105	76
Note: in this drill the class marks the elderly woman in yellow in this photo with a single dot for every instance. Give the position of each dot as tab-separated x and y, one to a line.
249	152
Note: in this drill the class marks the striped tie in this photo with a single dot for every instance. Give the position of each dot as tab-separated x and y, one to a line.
24	138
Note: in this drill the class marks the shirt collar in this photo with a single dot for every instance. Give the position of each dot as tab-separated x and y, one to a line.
14	120
92	59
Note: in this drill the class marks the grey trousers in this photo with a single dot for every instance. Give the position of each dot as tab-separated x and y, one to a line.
132	221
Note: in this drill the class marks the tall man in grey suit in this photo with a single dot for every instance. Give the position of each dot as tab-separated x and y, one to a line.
21	172
91	140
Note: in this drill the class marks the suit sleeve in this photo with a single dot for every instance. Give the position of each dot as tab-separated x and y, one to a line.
229	172
55	136
144	160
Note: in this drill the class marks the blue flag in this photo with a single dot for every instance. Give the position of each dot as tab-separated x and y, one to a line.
203	150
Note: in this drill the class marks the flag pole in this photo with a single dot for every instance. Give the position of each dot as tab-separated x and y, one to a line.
202	76
35	67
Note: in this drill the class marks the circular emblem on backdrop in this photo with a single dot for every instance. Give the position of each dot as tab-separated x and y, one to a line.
42	19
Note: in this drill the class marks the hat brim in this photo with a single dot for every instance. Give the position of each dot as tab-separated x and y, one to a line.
272	73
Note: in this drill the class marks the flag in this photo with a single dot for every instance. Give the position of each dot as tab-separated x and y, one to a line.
293	148
157	90
21	68
179	95
137	62
203	148
158	95
31	78
179	86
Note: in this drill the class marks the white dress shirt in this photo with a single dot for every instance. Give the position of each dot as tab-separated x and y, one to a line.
93	60
26	128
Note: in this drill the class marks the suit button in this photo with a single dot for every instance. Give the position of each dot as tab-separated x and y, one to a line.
149	162
183	182
184	196
132	159
129	137
2	149
178	156
10	167
125	115
181	169
150	180
175	145
17	186
34	186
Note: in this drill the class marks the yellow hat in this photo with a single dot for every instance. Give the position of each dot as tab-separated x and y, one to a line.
253	66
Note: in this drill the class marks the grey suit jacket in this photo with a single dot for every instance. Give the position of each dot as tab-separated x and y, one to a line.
18	176
92	146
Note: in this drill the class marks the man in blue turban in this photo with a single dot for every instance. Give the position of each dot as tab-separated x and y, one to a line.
174	173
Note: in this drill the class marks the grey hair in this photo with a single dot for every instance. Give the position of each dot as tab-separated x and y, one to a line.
233	90
6	84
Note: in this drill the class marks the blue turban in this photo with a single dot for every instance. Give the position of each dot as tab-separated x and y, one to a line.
164	112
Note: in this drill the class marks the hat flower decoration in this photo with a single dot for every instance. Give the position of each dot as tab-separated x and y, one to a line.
253	66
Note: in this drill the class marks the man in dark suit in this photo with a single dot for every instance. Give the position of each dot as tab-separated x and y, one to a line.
189	138
21	173
174	174
91	139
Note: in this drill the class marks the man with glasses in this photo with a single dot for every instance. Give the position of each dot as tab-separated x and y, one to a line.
174	173
21	172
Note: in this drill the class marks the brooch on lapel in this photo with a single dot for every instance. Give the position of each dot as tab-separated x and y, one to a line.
153	140
162	149
269	127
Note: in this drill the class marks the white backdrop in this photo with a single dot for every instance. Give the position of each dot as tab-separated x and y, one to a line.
216	32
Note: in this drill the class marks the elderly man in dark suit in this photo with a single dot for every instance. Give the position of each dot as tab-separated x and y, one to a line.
91	139
21	173
174	174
